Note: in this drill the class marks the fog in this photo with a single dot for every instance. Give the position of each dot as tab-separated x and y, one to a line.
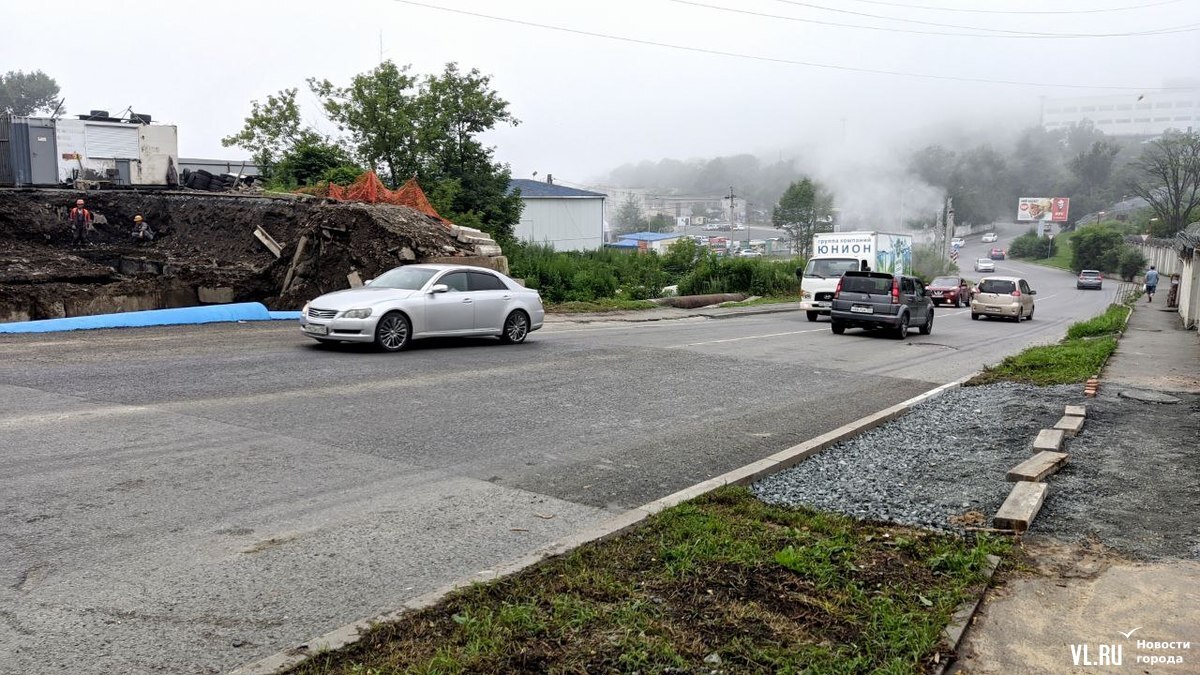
588	103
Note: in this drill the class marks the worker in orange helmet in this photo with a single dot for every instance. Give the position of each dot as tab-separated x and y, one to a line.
81	223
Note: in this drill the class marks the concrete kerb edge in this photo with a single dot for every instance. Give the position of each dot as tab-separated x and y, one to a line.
954	632
1124	328
350	633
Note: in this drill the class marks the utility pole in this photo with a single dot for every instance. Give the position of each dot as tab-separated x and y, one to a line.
732	219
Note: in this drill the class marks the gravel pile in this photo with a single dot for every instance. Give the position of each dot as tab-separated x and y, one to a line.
942	461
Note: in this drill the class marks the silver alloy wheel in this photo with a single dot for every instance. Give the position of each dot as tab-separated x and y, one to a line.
516	327
392	332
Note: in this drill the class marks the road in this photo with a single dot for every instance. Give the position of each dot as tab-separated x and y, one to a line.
187	499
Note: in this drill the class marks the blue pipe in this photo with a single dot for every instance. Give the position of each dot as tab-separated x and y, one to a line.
241	311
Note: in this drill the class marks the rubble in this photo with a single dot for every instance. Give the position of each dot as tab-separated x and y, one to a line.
208	241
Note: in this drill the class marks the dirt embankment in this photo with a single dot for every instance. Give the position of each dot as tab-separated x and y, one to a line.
205	250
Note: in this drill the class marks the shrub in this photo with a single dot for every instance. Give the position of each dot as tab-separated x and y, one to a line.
1096	248
1130	262
929	263
1030	245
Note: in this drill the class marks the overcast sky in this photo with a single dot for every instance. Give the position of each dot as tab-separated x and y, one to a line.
588	104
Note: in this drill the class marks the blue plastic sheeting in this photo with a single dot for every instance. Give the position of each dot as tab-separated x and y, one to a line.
242	311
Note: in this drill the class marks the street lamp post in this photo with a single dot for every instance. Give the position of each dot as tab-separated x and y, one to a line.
1098	214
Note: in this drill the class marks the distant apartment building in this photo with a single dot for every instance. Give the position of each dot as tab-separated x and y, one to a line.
1177	106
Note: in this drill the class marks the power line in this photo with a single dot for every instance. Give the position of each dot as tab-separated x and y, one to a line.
1017	11
987	32
790	62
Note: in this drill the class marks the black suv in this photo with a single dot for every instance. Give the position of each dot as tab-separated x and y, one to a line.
879	300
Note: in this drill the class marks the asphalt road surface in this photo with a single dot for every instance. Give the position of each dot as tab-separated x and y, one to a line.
188	499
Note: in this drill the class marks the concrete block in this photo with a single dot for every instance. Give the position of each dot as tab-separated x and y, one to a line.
750	473
268	241
1048	439
1021	507
355	279
1038	467
1076	410
488	249
1070	425
221	295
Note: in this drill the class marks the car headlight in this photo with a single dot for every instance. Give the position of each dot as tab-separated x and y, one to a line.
804	295
357	313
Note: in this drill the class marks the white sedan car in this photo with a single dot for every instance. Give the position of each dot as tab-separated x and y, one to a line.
985	265
421	301
990	238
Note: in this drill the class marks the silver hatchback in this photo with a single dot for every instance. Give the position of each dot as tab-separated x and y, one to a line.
420	301
1004	297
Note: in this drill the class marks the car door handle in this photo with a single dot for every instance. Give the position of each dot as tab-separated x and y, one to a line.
507	297
466	301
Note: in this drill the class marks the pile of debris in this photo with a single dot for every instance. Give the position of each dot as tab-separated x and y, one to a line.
218	182
231	247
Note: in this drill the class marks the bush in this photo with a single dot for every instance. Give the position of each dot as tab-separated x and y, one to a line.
1130	262
1030	245
929	263
1096	248
741	275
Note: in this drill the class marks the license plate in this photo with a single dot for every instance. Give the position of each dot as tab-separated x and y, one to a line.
316	329
862	310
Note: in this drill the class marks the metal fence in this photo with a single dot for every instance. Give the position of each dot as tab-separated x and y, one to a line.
1127	291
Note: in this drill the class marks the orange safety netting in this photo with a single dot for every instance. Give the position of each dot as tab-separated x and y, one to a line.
368	188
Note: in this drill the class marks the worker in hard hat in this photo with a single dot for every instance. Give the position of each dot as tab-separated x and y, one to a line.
141	229
81	223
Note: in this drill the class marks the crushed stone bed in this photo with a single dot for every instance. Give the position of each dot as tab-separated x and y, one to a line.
928	468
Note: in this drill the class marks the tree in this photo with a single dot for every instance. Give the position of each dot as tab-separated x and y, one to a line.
802	206
1168	177
273	131
313	159
660	222
27	93
404	126
1096	248
628	217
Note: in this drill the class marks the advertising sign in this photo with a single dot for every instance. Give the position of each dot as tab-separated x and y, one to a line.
1053	209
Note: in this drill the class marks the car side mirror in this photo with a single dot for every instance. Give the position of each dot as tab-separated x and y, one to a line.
439	288
1033	292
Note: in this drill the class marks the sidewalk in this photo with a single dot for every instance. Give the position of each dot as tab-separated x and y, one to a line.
1128	568
667	313
1155	353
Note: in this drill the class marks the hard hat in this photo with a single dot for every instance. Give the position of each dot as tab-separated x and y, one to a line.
78	202
137	219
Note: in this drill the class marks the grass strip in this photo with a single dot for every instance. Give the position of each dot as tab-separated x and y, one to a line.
1110	322
723	579
605	305
767	300
1064	363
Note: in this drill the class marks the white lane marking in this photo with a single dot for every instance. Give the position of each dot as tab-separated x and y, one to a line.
748	337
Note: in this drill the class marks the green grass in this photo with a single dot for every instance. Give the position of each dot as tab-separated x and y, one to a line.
1110	322
1063	363
767	589
604	305
770	300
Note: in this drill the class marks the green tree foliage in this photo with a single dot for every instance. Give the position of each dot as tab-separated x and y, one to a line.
1167	175
1096	248
272	129
1031	245
313	160
628	217
802	207
928	262
1130	262
429	127
24	93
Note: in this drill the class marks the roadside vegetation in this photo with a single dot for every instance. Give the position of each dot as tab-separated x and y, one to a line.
608	275
1077	357
723	582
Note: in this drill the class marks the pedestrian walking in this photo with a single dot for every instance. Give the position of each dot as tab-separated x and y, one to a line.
81	223
1151	283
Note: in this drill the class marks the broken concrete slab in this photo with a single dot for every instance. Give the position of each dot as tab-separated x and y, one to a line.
1076	410
1021	507
1038	467
222	295
355	279
268	241
1070	424
487	250
1049	439
1148	396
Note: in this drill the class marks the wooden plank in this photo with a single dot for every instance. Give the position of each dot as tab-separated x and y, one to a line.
268	241
1076	410
1023	503
1038	467
355	279
287	278
1048	439
1070	425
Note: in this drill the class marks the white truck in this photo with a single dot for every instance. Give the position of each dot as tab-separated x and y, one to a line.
836	252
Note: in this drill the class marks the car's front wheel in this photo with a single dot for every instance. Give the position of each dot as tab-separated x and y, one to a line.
974	316
812	316
516	328
393	333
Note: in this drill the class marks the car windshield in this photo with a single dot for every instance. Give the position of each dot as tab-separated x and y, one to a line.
945	281
407	278
997	286
824	268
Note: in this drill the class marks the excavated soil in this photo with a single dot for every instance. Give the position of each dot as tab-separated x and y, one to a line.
205	250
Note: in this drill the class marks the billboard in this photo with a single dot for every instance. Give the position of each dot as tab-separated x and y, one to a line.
1052	209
